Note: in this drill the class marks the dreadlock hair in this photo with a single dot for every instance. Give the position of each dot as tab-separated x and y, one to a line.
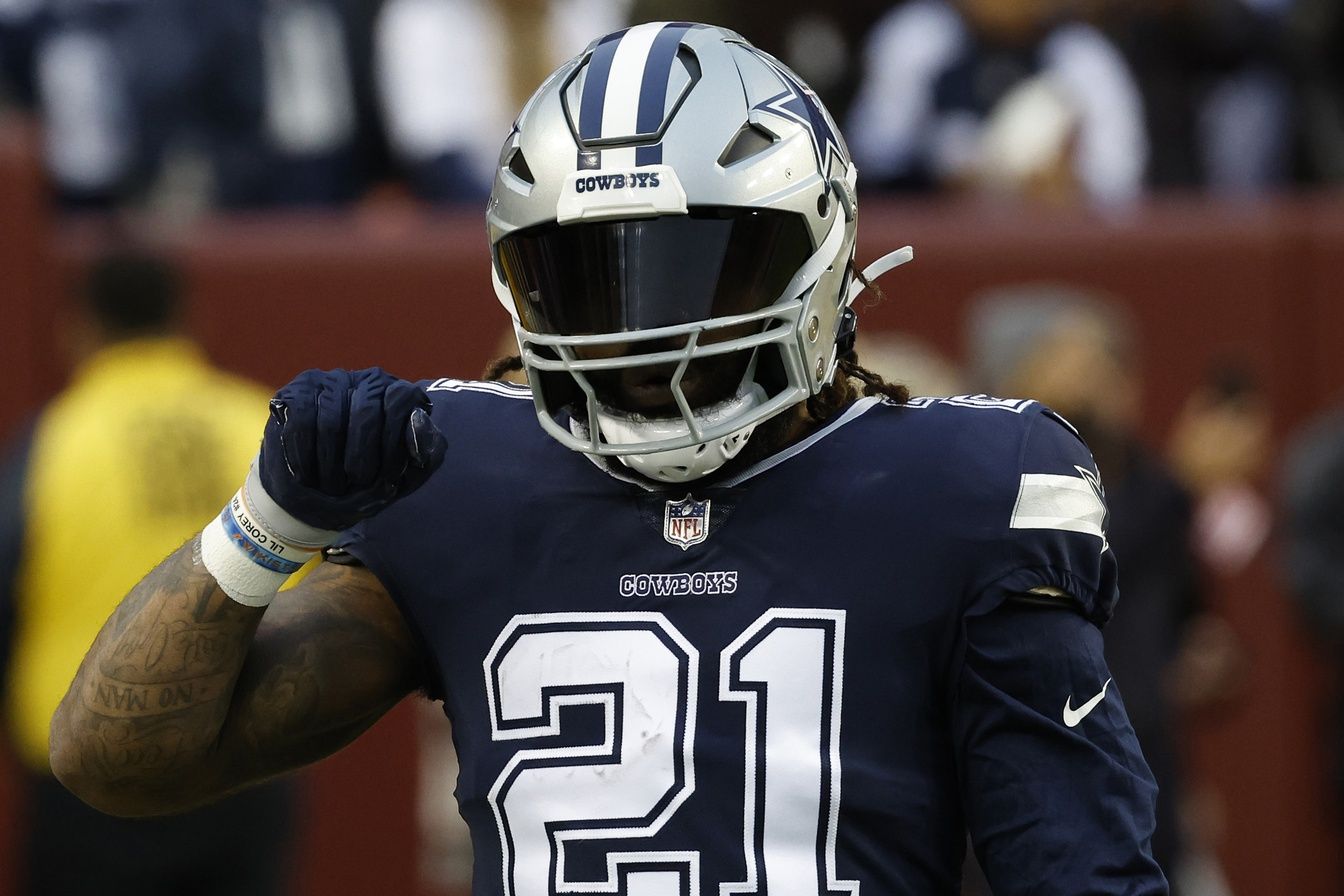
499	368
842	390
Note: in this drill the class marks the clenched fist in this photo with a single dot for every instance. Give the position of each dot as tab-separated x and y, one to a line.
341	445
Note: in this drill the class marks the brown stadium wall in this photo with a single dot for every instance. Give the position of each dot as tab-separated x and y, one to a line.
410	291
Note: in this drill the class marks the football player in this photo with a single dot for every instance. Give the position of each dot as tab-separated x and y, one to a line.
720	624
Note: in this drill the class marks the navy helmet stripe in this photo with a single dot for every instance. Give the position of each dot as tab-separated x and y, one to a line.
595	87
657	73
653	90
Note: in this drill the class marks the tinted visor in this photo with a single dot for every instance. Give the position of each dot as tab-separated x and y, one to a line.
620	276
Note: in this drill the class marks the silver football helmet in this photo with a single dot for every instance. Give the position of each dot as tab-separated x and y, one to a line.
672	225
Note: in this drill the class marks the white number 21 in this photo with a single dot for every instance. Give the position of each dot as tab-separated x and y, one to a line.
786	668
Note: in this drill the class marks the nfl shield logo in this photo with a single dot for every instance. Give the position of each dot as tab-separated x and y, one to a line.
686	522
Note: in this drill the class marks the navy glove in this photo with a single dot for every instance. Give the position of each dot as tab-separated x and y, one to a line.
341	445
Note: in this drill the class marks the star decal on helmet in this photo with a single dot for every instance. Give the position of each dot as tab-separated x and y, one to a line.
800	103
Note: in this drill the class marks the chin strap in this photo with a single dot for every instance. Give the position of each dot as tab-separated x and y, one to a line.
691	461
877	269
849	332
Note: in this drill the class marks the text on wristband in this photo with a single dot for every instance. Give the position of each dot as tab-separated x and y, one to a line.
261	547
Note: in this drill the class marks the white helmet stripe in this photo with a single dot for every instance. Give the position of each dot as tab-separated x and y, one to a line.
620	108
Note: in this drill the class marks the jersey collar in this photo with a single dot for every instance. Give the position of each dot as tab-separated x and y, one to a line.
850	414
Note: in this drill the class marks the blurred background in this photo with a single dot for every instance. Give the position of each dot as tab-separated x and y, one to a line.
1131	209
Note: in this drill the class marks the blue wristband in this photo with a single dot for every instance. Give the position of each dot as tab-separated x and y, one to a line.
260	547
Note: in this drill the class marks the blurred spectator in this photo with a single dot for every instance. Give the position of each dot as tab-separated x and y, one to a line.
1219	447
449	71
147	436
817	41
1004	95
1317	49
240	104
1076	353
20	23
1216	89
1313	533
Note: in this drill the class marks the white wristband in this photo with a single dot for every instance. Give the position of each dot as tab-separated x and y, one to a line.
275	519
242	549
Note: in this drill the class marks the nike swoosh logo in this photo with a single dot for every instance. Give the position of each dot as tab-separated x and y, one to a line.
1073	716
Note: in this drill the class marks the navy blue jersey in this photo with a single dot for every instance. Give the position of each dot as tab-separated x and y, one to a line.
811	678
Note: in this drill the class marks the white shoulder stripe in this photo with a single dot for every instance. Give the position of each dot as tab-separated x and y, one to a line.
1067	503
507	390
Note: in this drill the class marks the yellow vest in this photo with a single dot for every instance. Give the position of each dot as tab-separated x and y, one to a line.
140	451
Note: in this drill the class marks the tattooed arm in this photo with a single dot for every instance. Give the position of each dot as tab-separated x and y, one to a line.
189	692
187	695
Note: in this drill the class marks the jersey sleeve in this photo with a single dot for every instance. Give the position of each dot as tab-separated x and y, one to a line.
1057	795
1051	522
393	545
357	547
